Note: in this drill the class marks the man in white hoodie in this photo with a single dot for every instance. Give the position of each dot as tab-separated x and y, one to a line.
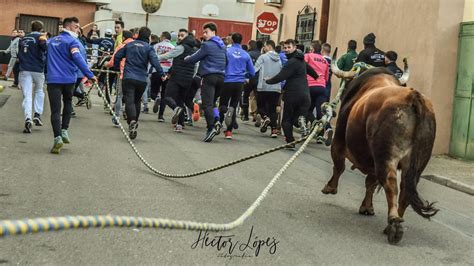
268	95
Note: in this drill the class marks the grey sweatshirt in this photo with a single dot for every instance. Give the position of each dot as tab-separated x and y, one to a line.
269	65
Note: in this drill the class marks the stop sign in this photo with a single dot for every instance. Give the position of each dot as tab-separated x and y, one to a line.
267	23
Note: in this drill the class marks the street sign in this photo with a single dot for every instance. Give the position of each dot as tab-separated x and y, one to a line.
267	23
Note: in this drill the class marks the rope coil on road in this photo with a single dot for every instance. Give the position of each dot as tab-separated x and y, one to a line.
17	227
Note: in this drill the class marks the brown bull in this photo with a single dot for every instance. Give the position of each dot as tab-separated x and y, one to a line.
384	127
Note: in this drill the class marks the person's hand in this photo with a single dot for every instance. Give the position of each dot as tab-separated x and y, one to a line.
246	81
164	77
93	79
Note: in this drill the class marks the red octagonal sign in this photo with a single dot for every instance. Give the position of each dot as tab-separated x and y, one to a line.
267	23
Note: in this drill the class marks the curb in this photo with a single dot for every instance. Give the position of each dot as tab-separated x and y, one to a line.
451	183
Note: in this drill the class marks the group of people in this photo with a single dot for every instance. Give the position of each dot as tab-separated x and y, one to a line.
213	74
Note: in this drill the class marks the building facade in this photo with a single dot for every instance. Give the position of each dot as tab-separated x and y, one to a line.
426	32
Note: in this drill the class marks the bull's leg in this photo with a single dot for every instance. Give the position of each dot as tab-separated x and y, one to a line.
402	200
394	229
338	158
367	208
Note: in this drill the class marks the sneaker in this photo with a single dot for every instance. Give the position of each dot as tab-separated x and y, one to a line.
37	120
132	129
189	122
302	125
258	121
145	110
290	147
81	102
28	126
5	78
156	105
228	134
14	86
115	122
265	125
161	119
73	113
196	113
210	134
235	125
65	136
176	113
218	127
228	117
328	136
244	118
58	144
179	128
274	133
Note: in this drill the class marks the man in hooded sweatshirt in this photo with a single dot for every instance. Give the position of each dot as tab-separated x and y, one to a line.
296	93
269	64
239	67
371	55
181	77
212	58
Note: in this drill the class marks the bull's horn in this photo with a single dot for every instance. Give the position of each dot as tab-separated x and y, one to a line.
339	73
406	72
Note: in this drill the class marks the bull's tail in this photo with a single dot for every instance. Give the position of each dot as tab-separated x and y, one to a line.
422	145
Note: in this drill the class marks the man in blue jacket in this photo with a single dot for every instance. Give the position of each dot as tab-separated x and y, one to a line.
138	54
64	57
31	55
239	68
212	58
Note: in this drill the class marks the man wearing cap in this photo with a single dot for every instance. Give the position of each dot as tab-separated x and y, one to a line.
371	55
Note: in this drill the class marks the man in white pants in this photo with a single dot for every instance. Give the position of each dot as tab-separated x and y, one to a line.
31	55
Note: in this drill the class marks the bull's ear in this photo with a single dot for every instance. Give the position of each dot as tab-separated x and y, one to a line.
334	55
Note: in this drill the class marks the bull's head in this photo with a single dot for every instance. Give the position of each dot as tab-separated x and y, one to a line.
360	67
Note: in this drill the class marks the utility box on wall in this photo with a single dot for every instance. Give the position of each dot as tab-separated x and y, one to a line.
462	131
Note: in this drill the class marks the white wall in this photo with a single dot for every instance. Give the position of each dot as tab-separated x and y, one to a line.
172	15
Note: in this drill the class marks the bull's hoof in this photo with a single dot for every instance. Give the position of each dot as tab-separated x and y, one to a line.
394	230
366	211
329	190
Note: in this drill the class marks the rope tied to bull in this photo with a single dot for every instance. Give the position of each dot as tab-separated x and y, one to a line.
37	225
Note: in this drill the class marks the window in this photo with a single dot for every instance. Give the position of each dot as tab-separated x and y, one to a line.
277	3
305	24
262	37
50	23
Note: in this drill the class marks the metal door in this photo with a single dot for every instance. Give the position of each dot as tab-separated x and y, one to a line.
462	131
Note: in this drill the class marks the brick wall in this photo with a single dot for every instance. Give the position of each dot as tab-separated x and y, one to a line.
51	8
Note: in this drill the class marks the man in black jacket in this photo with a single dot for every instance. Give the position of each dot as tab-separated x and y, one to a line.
371	55
295	92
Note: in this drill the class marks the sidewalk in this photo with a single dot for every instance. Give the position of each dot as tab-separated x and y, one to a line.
442	169
450	172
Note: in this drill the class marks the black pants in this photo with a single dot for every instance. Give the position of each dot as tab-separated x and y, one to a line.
158	86
16	73
55	91
211	86
191	92
175	96
295	105
78	92
248	88
132	92
318	97
230	97
267	102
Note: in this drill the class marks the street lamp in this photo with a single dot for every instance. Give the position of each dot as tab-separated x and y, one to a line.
151	6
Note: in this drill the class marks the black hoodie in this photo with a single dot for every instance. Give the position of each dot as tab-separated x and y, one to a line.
294	72
182	72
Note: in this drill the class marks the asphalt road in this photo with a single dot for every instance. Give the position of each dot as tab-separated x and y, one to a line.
99	174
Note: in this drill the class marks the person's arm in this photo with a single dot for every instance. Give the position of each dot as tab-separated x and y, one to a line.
310	71
154	61
258	63
284	74
361	57
43	42
119	56
79	60
341	62
175	52
198	55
